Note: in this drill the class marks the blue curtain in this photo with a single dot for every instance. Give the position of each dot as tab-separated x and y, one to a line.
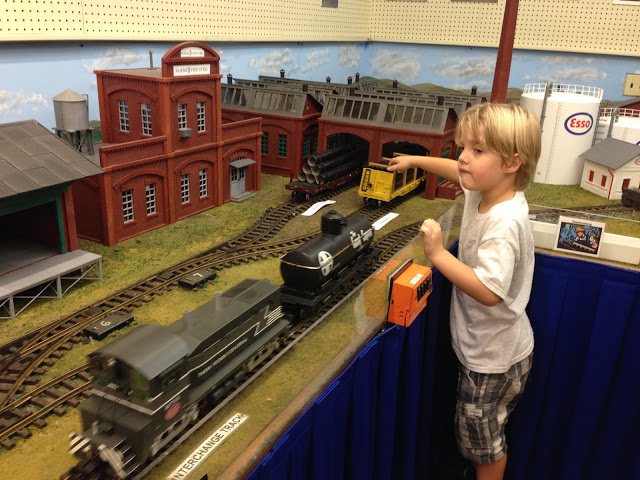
389	415
579	416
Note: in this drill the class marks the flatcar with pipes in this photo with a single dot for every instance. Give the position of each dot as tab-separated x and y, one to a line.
328	170
152	382
378	185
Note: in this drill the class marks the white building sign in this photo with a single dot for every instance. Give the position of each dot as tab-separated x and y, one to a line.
185	70
192	52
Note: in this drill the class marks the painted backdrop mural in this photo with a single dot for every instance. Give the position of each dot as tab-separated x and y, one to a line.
32	74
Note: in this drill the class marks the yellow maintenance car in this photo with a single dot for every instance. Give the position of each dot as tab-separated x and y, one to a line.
379	185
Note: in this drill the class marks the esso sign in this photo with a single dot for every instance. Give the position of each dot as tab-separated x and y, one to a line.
578	123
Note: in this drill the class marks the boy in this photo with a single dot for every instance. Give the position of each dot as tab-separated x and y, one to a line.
490	331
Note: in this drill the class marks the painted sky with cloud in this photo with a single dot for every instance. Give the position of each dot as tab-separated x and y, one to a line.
274	62
114	57
19	103
33	74
391	63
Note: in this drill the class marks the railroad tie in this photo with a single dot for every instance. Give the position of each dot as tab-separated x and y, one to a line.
40	423
60	411
24	433
85	376
41	402
6	443
52	392
8	378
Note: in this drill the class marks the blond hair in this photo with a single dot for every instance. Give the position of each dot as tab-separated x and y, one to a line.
508	130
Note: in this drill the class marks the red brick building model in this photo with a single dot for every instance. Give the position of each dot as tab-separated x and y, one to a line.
168	153
289	123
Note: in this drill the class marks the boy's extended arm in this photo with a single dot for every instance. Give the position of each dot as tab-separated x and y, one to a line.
443	167
461	275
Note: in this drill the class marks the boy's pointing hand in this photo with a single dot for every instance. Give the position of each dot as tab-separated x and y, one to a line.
398	164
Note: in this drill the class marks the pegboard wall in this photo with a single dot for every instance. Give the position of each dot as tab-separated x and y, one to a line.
181	20
588	26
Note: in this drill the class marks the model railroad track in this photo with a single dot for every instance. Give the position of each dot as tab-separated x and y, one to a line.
269	225
42	350
14	353
23	360
50	398
387	246
15	416
20	355
264	229
554	213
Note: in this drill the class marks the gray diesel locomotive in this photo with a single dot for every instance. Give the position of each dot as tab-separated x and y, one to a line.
152	382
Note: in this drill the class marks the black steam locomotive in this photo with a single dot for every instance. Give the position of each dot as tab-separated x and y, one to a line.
152	382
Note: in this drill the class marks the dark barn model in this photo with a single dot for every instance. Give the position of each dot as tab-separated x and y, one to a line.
152	382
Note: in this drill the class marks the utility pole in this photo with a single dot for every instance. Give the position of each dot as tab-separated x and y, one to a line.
505	52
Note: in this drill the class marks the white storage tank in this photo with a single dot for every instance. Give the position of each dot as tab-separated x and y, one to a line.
626	124
72	111
568	115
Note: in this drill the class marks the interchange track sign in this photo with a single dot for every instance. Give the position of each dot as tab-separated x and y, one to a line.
207	447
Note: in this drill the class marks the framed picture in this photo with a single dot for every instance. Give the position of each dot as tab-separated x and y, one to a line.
577	235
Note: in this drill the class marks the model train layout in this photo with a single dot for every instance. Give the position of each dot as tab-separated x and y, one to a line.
152	382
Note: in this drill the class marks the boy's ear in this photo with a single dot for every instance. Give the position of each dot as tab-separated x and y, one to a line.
511	165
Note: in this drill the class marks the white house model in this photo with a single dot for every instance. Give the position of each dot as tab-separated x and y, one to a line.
610	166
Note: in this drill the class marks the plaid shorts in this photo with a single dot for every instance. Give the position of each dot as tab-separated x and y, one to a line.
485	401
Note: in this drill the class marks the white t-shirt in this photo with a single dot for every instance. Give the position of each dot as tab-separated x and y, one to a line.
498	245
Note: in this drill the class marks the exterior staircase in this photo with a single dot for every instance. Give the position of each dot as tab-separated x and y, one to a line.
448	190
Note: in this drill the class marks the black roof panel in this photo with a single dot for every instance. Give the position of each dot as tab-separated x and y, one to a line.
32	157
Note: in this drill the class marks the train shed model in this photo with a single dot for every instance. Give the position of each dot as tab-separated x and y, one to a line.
378	185
338	88
387	121
39	241
167	154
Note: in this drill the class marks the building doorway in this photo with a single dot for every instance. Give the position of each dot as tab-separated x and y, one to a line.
238	175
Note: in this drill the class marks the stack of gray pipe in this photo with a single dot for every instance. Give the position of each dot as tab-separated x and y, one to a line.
324	167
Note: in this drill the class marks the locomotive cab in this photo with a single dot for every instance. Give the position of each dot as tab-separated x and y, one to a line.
117	377
124	368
